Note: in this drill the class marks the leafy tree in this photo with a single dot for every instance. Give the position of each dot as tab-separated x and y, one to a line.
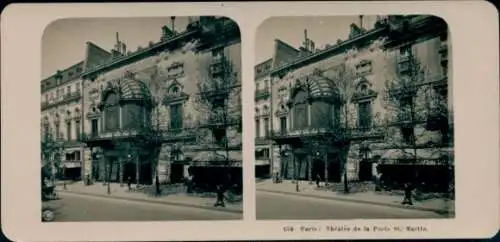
414	106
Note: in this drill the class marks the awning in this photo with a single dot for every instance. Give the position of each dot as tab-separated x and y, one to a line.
217	155
262	162
72	164
427	156
215	158
397	154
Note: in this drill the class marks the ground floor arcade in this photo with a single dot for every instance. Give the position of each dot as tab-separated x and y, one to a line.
169	165
362	161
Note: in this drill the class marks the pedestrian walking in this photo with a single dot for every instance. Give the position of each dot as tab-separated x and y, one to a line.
220	197
157	183
318	179
129	183
407	197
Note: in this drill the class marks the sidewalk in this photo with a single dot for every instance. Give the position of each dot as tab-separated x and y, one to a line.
179	199
369	197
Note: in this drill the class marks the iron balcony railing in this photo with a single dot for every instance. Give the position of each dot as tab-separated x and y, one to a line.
65	99
332	133
263	94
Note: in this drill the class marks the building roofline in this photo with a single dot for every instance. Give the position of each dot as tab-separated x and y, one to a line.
287	45
63	70
123	59
270	59
97	46
300	61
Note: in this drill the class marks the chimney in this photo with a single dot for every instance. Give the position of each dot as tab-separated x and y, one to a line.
173	23
361	21
118	50
124	48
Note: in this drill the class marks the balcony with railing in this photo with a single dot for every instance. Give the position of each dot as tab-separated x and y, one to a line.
262	94
263	140
329	134
69	97
404	65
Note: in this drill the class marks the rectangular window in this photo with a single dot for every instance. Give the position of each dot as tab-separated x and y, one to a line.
257	128
132	116
69	90
220	136
68	130
336	115
217	52
77	130
262	154
408	134
46	132
176	116
283	124
77	155
266	127
58	134
95	127
364	114
300	116
405	50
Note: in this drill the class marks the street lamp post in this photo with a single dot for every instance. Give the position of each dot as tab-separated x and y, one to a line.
109	178
64	177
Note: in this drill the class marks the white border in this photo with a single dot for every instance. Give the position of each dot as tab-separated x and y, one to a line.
474	30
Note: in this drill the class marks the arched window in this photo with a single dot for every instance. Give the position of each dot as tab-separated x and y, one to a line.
174	89
111	112
266	110
300	110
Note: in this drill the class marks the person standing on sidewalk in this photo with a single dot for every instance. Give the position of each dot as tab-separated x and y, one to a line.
157	186
407	197
220	197
318	179
129	183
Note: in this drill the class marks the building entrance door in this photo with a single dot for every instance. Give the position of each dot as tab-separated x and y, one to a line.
318	168
129	172
334	168
176	173
365	170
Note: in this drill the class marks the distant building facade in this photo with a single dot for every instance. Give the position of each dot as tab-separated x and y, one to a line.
61	119
320	126
166	111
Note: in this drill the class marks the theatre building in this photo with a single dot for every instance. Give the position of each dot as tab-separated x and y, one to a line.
330	111
156	112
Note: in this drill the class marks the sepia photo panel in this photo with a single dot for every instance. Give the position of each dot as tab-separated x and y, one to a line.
141	119
354	118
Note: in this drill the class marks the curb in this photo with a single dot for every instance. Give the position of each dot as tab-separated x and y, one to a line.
397	205
227	210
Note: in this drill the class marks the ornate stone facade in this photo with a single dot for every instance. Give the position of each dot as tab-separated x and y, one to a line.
165	82
368	59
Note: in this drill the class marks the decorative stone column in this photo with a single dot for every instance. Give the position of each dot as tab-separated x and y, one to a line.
186	171
137	169
309	168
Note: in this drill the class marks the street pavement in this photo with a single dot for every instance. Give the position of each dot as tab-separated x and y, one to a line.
283	206
77	208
